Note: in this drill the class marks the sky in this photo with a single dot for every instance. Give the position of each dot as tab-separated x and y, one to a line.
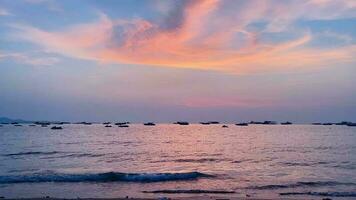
166	60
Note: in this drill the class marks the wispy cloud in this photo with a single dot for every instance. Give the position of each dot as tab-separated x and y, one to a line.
205	34
24	58
227	102
4	12
50	4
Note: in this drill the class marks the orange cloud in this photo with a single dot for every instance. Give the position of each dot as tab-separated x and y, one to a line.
192	43
80	41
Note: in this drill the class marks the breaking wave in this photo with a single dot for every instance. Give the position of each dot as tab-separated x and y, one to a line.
191	191
102	177
31	153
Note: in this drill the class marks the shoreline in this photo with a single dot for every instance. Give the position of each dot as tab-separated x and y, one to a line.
158	198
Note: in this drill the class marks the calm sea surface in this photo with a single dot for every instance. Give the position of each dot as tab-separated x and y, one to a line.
275	161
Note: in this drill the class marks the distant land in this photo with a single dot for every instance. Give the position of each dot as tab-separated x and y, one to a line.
8	120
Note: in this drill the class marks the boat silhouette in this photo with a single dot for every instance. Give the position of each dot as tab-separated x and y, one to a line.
56	128
149	124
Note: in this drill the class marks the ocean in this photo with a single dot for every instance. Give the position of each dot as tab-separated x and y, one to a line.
170	160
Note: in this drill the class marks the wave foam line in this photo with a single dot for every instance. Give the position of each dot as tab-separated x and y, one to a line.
300	184
327	194
102	177
190	191
31	153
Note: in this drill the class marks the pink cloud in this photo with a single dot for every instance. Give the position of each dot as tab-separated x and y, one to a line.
200	38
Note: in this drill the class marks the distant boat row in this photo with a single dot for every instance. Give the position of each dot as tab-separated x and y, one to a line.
119	124
183	123
343	123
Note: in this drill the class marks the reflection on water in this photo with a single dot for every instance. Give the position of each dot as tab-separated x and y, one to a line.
296	161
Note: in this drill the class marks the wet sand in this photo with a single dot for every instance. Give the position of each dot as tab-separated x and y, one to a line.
159	198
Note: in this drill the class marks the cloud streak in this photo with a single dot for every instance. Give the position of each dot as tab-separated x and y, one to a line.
227	102
4	12
204	34
29	59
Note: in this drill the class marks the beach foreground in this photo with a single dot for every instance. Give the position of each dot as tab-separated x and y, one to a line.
159	198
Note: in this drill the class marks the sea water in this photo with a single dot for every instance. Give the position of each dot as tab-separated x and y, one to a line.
258	161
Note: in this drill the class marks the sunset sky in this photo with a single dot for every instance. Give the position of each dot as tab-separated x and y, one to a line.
133	60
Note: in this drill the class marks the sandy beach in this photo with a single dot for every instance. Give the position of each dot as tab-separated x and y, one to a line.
159	198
